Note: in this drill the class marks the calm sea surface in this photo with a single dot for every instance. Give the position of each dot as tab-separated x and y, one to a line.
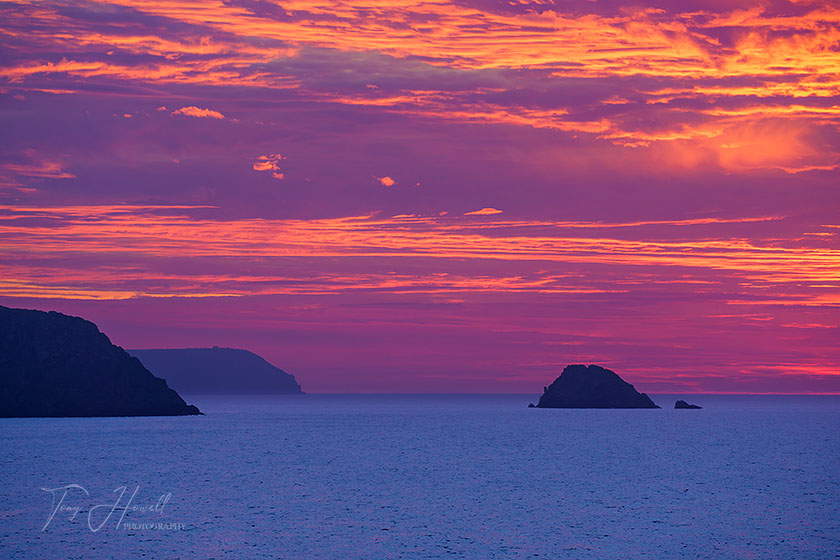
479	477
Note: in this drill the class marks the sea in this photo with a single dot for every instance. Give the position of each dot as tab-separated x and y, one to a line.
428	476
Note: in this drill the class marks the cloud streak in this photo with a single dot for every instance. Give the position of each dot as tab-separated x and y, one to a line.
144	232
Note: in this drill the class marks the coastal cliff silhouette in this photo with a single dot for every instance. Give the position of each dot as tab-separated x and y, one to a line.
218	371
55	365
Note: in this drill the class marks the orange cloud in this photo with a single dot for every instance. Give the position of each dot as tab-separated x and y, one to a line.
386	181
631	42
483	212
198	112
270	163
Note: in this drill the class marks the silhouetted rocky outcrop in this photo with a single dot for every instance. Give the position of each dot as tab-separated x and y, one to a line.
196	371
57	365
592	386
683	404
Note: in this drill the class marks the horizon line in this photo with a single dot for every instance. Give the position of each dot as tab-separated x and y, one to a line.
305	393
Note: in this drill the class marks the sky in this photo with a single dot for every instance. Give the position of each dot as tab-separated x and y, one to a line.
434	195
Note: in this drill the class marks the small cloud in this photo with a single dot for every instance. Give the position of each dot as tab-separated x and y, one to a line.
34	166
371	86
198	112
483	212
386	181
270	163
616	100
161	108
127	115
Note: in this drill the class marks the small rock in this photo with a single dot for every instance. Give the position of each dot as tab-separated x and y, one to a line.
683	404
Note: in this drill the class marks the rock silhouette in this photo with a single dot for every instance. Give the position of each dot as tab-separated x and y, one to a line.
683	404
217	370
581	386
55	365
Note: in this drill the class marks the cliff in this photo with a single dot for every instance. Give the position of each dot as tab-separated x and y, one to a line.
217	371
592	386
57	365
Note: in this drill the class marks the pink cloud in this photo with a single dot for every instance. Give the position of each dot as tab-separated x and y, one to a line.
386	181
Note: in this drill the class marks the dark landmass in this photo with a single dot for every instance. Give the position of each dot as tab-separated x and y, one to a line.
592	386
55	365
683	404
217	370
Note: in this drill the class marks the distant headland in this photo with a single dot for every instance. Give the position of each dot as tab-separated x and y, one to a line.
581	386
195	371
56	365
